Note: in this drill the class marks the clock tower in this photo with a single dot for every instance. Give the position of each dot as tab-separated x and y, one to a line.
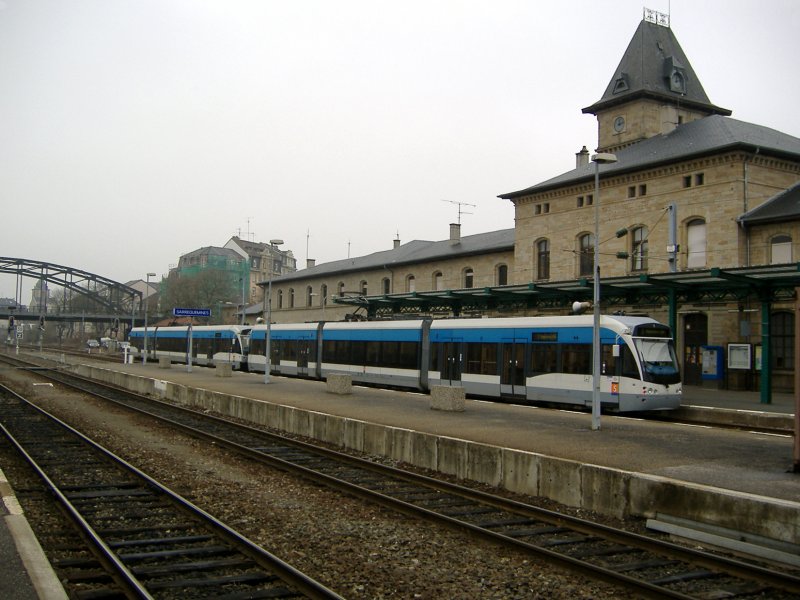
654	89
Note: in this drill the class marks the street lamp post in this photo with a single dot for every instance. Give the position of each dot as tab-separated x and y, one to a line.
244	306
598	159
268	310
146	294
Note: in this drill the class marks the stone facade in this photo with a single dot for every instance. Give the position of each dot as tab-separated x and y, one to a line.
714	189
300	300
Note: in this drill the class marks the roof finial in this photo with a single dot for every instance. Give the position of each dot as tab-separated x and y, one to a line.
653	16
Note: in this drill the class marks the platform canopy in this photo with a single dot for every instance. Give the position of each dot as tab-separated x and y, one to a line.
768	284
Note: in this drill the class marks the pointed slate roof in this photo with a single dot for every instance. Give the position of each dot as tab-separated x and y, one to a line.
782	207
655	66
709	135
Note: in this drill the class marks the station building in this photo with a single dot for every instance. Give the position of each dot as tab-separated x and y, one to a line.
699	224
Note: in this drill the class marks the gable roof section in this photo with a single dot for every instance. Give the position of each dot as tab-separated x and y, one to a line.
250	248
655	66
710	135
416	251
212	251
785	205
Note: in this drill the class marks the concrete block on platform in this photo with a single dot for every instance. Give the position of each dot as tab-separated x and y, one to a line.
448	398
339	383
224	370
164	362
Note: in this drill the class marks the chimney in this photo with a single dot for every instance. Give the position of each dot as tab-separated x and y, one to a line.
455	233
581	158
396	243
310	262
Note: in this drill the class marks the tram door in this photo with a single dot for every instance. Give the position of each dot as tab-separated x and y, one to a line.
303	351
512	373
452	358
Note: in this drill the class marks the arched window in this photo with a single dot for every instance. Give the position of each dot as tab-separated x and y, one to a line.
386	285
469	277
502	275
696	244
291	297
586	253
411	283
780	250
782	340
438	281
280	298
543	259
309	296
340	288
639	249
362	287
323	292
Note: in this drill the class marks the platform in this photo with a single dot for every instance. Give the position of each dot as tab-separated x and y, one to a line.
25	573
738	480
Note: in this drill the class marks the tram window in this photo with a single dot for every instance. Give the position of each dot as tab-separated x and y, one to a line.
576	359
373	354
435	356
408	355
544	358
481	359
608	362
629	367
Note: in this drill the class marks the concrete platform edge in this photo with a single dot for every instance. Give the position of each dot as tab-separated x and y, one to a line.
39	570
606	490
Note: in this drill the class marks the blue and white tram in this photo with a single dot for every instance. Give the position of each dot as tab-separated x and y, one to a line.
211	344
294	349
386	353
550	359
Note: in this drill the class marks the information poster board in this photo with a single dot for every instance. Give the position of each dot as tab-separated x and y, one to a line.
740	356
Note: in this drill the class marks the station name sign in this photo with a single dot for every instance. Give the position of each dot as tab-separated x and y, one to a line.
191	312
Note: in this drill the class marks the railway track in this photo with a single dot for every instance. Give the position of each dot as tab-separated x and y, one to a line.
641	564
145	540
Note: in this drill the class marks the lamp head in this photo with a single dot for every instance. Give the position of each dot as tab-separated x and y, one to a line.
578	308
604	158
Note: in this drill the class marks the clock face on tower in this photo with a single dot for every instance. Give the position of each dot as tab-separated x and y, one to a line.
619	124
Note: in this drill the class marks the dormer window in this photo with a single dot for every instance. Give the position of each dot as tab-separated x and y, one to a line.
675	74
621	84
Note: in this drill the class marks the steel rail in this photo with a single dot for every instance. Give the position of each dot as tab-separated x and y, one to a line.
299	581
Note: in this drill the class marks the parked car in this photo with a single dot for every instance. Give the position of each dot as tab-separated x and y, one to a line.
92	344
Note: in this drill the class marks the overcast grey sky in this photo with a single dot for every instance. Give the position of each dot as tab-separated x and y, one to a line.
134	131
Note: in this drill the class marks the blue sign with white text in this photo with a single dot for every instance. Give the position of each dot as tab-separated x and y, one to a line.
191	312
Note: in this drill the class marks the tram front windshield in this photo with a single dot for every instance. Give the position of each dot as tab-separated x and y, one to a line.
658	359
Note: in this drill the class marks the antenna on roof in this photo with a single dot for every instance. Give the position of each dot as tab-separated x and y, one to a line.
460	212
